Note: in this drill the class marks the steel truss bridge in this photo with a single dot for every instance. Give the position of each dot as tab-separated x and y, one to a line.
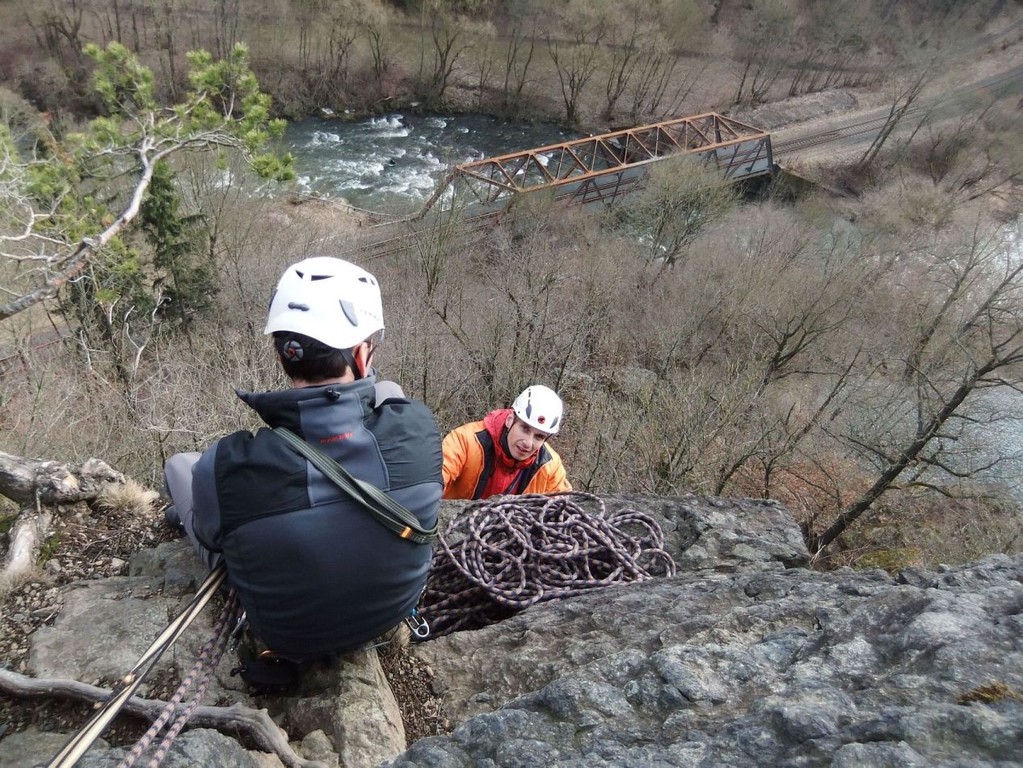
600	169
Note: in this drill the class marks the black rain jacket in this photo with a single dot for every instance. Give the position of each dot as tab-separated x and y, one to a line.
314	571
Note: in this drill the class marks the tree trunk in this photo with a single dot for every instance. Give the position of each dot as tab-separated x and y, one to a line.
36	481
35	484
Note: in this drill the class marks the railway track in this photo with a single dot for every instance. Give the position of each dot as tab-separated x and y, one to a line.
967	99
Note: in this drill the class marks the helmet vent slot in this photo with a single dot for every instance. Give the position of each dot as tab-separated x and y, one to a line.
349	310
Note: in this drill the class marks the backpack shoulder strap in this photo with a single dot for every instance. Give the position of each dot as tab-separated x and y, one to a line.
382	507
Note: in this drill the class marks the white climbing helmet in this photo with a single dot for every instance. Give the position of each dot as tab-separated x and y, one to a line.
327	299
540	407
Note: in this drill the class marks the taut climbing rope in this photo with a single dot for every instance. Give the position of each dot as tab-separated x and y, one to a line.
199	677
500	555
79	744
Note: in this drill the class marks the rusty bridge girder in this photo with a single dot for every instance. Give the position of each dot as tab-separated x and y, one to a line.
604	167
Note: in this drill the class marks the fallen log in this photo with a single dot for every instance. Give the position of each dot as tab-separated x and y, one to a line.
254	724
38	481
23	547
35	484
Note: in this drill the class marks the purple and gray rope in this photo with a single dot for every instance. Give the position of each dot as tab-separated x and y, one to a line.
199	676
503	554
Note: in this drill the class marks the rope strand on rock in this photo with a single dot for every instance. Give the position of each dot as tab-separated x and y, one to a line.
500	555
199	676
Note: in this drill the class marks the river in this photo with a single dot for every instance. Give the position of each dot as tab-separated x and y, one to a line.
393	163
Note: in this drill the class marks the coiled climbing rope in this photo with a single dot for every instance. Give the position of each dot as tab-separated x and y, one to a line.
500	555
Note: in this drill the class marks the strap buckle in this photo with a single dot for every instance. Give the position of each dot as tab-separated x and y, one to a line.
420	627
235	637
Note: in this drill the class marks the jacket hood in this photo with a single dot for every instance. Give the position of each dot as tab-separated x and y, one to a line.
494	423
291	407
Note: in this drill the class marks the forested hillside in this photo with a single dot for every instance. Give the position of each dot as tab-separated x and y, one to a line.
584	62
852	349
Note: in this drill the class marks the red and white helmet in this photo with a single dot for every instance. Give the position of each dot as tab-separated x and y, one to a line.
540	407
327	299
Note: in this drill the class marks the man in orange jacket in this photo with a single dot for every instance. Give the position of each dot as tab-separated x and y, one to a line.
507	451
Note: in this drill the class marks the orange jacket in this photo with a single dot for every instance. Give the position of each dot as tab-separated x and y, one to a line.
470	453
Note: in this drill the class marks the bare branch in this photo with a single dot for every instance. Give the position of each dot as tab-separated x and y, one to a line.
254	724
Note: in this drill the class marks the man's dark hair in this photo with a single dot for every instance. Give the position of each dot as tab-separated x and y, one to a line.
303	357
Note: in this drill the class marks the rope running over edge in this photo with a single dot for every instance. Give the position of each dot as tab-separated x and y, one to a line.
199	677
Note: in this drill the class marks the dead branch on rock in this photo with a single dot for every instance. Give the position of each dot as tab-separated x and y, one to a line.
255	724
23	547
37	481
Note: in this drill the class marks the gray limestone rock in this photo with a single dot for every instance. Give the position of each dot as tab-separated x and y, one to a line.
744	658
776	668
351	703
107	624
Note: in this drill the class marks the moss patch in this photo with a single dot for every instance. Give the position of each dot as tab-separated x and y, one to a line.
890	560
990	693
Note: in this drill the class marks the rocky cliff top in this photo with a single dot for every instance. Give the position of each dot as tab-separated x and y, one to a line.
745	657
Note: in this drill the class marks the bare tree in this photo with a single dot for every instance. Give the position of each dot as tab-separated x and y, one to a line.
660	86
628	41
759	44
308	16
344	30
575	57
972	156
968	338
374	24
518	57
448	33
906	93
59	32
679	198
757	350
165	23
226	20
485	60
832	44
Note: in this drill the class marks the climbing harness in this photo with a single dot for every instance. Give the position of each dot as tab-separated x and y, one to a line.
125	688
268	673
500	555
382	507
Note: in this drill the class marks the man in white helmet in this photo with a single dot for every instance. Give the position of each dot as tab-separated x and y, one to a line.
315	572
507	451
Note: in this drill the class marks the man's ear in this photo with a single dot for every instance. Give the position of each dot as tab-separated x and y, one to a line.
509	420
363	356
